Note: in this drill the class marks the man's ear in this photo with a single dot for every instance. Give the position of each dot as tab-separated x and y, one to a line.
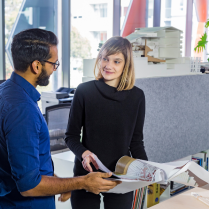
36	67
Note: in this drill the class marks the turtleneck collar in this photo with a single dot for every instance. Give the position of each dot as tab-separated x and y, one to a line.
110	92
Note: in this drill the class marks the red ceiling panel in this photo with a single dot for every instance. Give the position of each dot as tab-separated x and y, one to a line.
135	17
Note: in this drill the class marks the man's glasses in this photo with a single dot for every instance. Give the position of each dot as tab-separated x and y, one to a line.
56	64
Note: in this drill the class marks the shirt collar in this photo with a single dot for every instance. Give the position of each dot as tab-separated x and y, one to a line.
29	88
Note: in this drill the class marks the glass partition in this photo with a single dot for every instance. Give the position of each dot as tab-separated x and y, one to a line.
173	13
124	8
198	29
91	24
150	13
25	14
11	12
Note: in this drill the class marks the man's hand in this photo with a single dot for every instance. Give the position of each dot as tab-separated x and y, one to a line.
95	183
64	196
88	157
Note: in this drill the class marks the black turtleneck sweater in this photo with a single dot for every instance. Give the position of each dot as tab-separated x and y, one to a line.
112	124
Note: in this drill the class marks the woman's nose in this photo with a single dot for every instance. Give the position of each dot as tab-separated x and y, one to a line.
108	65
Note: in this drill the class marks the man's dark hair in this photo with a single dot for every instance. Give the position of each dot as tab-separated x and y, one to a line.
30	45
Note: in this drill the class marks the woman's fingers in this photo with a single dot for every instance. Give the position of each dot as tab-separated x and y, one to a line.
89	167
94	162
86	162
86	168
86	165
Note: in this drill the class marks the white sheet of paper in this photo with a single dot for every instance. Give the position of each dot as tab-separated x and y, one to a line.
200	173
128	186
101	165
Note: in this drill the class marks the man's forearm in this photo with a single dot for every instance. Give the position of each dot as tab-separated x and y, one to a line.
51	185
94	182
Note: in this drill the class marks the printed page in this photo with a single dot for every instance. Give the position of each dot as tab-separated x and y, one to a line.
129	183
192	175
137	170
168	167
143	173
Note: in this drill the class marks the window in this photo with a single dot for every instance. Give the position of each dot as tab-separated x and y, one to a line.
95	26
124	9
168	9
167	23
21	15
150	13
100	10
25	14
11	13
173	13
147	5
100	36
103	37
198	29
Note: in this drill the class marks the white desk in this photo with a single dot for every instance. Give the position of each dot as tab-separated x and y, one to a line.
63	167
184	201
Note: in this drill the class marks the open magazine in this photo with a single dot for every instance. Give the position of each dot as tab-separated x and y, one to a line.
135	173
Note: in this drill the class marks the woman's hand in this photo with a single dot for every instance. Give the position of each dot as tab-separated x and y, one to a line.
88	157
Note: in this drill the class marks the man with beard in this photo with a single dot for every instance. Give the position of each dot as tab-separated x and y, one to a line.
27	178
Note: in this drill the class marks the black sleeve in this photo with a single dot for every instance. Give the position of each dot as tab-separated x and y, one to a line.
137	144
75	123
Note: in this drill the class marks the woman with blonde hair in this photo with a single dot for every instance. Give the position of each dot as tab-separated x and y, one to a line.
111	111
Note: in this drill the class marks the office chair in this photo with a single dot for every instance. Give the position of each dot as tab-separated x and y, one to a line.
57	119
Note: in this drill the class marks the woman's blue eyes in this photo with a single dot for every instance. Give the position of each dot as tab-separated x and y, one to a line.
115	61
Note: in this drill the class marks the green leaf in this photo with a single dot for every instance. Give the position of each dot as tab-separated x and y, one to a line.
207	23
208	59
201	44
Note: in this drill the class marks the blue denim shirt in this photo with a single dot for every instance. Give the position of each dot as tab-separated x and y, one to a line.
24	145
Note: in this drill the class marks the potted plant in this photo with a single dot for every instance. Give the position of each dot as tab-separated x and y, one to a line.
203	41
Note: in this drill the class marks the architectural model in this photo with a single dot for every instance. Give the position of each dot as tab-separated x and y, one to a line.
157	52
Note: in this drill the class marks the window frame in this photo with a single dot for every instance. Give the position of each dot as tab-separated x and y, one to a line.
2	41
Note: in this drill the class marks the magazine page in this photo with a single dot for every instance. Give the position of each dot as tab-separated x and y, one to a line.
144	170
169	168
139	174
102	167
192	175
137	170
142	173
